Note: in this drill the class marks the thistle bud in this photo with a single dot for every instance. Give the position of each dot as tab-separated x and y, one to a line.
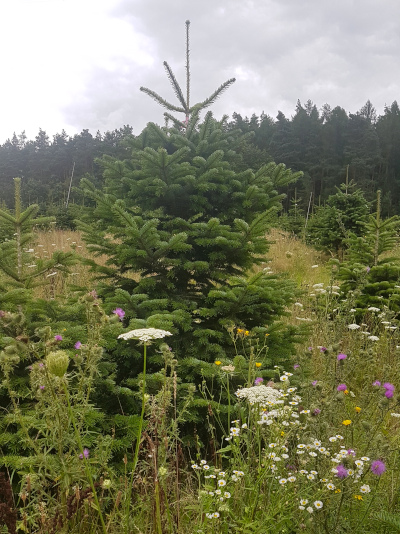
57	363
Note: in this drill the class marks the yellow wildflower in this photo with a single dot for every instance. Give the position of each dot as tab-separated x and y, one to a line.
258	364
247	333
357	409
346	391
346	422
358	497
217	362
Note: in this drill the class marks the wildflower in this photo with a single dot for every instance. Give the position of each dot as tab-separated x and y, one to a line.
144	334
357	409
283	378
331	486
227	495
353	326
106	483
282	481
77	345
341	387
292	479
346	422
58	337
228	368
333	439
217	362
341	471
373	309
358	497
258	364
310	510
365	458
296	366
323	349
203	462
378	467
373	338
119	312
365	489
311	476
310	349
317	411
376	383
85	454
359	463
221	482
41	387
318	505
388	386
341	356
395	414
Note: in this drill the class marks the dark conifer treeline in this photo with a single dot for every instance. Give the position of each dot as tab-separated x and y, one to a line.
321	143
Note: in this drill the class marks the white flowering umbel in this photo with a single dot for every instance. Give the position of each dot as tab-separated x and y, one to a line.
145	334
262	395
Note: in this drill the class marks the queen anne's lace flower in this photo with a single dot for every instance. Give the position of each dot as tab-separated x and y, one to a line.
259	395
145	334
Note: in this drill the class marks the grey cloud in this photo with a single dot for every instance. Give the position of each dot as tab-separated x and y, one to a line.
342	53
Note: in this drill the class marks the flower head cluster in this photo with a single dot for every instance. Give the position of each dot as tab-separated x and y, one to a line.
145	334
259	394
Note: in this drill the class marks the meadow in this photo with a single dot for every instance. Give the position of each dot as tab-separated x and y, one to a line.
310	445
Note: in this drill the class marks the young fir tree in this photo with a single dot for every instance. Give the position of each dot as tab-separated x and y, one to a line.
368	269
345	213
182	229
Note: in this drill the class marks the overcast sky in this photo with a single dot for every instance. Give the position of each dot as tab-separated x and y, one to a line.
75	64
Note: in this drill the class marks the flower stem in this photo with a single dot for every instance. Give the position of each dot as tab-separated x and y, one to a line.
135	458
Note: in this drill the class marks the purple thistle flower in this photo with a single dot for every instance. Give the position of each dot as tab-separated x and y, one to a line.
41	387
296	366
351	452
341	471
389	393
41	365
378	467
376	383
341	387
317	411
341	356
85	454
78	345
258	381
58	337
323	349
388	385
314	382
310	349
119	312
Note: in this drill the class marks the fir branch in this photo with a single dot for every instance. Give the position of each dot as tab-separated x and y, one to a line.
175	86
161	100
211	99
